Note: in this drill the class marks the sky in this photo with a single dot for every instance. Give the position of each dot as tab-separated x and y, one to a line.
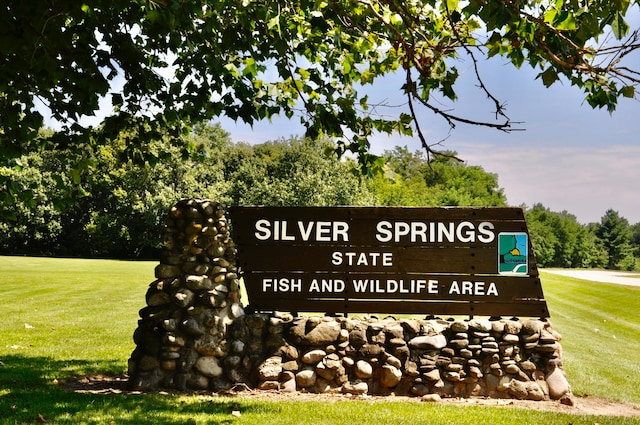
568	158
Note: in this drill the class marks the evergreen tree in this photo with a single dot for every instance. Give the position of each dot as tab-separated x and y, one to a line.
615	234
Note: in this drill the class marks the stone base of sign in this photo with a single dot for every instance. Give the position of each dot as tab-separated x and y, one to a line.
194	335
457	358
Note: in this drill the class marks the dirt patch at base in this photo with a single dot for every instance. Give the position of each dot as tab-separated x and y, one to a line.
100	384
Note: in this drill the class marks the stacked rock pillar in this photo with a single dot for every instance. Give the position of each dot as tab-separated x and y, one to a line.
193	335
181	339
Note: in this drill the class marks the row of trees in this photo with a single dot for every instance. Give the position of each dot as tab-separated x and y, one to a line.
560	241
119	203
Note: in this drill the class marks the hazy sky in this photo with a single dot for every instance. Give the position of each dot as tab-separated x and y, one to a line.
570	157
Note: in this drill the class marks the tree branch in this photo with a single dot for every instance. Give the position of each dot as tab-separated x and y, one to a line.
583	66
499	107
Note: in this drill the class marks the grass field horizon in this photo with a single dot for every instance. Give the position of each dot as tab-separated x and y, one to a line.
63	318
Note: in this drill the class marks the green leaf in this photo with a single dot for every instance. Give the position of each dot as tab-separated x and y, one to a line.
566	21
386	15
364	102
561	19
473	25
452	5
117	100
303	73
75	175
619	27
274	22
517	58
347	61
550	15
232	69
250	67
549	76
628	91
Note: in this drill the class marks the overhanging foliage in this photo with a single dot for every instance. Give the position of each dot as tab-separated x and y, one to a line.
156	67
164	63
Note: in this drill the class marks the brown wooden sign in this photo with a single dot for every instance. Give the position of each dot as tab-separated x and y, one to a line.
475	261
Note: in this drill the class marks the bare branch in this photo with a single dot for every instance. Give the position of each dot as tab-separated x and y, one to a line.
499	107
431	152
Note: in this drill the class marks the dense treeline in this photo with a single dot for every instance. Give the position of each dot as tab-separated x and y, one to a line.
560	241
120	202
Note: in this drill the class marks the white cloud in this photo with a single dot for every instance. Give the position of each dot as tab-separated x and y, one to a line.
585	181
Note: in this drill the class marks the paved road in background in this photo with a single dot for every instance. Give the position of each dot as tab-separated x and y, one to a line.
607	276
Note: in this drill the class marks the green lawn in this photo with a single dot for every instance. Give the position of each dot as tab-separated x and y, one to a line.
67	317
600	324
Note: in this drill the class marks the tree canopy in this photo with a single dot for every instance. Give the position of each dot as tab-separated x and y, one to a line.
123	205
163	64
122	208
410	178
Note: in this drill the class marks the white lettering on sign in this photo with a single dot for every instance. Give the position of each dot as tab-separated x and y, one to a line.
390	286
432	232
317	231
327	285
384	259
386	231
467	287
281	285
380	286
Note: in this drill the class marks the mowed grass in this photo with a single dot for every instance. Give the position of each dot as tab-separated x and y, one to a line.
600	324
63	318
72	309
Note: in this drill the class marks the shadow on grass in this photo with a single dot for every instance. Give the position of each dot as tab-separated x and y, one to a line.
28	394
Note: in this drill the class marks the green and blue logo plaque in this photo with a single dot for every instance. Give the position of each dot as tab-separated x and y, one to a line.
513	253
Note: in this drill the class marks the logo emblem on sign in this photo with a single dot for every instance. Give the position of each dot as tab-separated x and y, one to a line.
513	254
